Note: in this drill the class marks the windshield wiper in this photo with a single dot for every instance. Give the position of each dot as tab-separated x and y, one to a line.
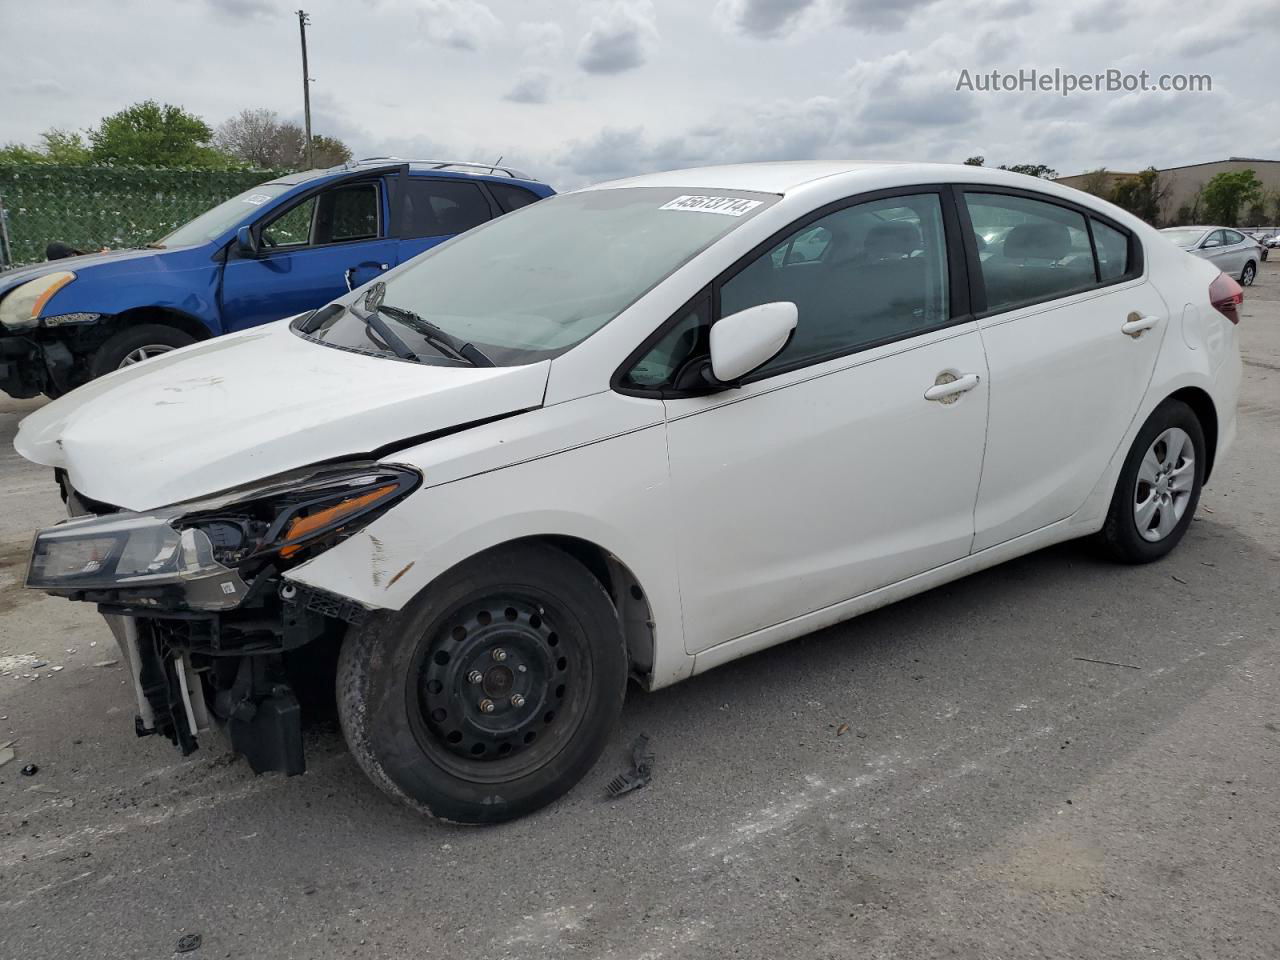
389	336
438	338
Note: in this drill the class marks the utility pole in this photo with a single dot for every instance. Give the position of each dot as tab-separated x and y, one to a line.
303	20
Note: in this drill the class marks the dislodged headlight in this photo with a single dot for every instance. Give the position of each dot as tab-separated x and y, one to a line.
211	547
132	550
20	309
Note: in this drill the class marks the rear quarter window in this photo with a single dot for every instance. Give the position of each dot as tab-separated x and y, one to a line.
512	198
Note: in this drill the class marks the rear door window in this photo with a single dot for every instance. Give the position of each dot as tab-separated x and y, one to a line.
1113	250
442	208
1032	250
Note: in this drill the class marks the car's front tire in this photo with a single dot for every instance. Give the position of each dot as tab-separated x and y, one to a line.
135	344
493	692
1159	486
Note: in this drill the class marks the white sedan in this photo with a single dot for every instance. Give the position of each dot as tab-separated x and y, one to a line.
635	431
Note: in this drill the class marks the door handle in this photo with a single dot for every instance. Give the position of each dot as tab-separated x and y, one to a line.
350	272
1136	324
948	387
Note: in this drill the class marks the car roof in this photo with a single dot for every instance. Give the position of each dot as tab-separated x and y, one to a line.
775	177
463	169
785	176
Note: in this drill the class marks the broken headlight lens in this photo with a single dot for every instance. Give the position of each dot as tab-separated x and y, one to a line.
210	547
132	550
287	518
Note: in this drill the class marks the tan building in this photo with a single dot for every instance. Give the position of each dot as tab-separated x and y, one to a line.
1185	183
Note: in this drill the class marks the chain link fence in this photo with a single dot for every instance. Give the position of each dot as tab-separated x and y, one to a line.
94	207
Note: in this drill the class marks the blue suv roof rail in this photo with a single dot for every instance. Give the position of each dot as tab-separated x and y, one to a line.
466	166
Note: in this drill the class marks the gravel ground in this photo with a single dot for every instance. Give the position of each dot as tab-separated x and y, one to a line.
994	796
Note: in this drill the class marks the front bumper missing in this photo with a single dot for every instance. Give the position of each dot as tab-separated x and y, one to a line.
29	368
192	670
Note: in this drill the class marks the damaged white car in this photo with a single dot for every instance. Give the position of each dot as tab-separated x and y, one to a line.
635	431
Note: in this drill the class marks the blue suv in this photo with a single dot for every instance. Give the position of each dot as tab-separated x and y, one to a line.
279	249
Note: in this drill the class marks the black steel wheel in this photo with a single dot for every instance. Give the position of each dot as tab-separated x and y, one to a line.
497	690
493	692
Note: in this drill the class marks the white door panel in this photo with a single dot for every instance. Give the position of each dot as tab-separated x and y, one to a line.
818	485
1066	381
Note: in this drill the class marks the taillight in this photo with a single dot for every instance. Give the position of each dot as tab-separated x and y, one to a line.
1226	296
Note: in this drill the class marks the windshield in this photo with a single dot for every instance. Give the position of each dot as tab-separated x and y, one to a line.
218	220
1183	238
532	284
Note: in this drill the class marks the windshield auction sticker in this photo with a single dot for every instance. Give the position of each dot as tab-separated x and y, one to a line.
729	206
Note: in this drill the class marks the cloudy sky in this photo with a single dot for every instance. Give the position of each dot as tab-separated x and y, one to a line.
581	91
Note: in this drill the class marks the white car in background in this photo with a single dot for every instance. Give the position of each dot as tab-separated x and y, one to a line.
633	431
1234	253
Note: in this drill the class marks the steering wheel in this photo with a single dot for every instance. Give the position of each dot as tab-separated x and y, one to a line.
269	240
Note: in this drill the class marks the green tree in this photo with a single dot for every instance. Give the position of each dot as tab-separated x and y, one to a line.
977	161
1141	194
1033	170
1097	182
1227	193
1257	213
65	147
259	138
329	151
151	134
20	155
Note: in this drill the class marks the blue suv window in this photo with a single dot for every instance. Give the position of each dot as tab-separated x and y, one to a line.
340	215
441	208
512	198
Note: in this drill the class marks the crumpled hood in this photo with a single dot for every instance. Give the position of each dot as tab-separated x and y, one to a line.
243	407
12	278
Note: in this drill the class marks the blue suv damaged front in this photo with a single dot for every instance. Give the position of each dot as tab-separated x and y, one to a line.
276	250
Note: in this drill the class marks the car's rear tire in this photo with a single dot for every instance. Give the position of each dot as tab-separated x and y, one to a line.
1159	486
492	693
1248	274
134	344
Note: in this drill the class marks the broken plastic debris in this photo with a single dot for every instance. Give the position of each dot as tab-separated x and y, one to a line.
188	942
30	770
842	730
106	663
639	775
6	753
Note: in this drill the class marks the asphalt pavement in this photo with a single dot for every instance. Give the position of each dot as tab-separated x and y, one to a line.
1057	758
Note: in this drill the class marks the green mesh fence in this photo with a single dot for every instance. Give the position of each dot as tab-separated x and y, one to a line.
94	207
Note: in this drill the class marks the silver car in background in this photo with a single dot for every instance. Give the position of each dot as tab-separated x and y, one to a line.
1231	251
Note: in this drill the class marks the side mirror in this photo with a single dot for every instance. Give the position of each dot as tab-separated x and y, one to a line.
246	243
750	338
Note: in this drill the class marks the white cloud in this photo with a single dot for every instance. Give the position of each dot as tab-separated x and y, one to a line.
541	40
531	86
619	37
763	19
461	24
